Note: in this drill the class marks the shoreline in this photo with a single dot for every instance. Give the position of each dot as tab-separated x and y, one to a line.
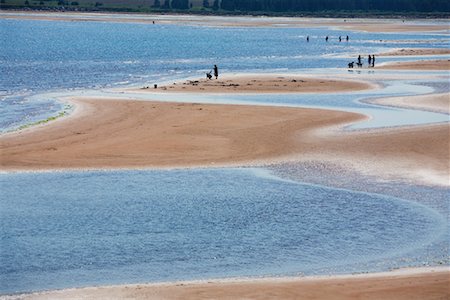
366	24
425	283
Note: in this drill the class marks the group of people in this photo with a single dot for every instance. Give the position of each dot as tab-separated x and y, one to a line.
327	38
371	61
216	73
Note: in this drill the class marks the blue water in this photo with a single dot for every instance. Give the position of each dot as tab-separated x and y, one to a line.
65	229
42	56
68	229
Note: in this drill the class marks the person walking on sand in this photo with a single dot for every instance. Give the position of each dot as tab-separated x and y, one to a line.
370	60
216	71
373	61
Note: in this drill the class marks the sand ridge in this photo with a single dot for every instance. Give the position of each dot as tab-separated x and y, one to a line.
437	64
257	83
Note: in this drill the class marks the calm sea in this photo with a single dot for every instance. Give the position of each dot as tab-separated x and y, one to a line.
70	229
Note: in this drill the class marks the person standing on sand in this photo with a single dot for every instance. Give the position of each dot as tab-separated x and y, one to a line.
373	61
347	38
370	60
216	71
359	59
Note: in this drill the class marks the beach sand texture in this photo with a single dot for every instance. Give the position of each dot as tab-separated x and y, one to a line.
264	84
396	285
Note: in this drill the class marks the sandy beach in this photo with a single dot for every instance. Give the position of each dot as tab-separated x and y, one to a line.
102	135
368	25
111	133
263	84
416	52
437	64
424	284
432	102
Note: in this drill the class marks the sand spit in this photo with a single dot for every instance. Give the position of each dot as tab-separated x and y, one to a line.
432	102
438	64
416	52
263	84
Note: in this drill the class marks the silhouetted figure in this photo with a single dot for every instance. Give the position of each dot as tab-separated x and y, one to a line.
340	39
370	60
307	38
359	59
153	22
373	60
350	65
208	75
326	39
347	38
155	86
216	71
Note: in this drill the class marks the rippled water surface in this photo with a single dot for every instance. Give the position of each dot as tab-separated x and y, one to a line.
66	229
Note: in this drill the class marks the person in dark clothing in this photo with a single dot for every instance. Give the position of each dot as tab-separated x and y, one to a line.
307	38
347	38
373	60
370	60
326	39
216	71
340	39
359	59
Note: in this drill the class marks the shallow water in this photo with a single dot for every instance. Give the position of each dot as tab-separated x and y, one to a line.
94	55
68	229
65	229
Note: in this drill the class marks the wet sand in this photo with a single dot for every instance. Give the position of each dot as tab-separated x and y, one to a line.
424	284
433	102
416	52
438	65
102	135
366	24
262	84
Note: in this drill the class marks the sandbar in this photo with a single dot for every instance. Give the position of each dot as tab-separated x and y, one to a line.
424	284
416	52
431	102
257	83
102	135
437	64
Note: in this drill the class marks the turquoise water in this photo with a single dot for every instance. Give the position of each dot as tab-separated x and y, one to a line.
66	229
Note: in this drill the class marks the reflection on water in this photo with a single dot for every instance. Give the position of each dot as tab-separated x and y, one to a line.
65	229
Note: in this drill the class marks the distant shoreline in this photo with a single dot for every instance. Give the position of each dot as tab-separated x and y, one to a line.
228	20
323	14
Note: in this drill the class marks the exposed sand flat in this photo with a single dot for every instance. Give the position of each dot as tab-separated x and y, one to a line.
370	25
263	84
423	284
438	64
432	102
114	134
103	135
416	52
